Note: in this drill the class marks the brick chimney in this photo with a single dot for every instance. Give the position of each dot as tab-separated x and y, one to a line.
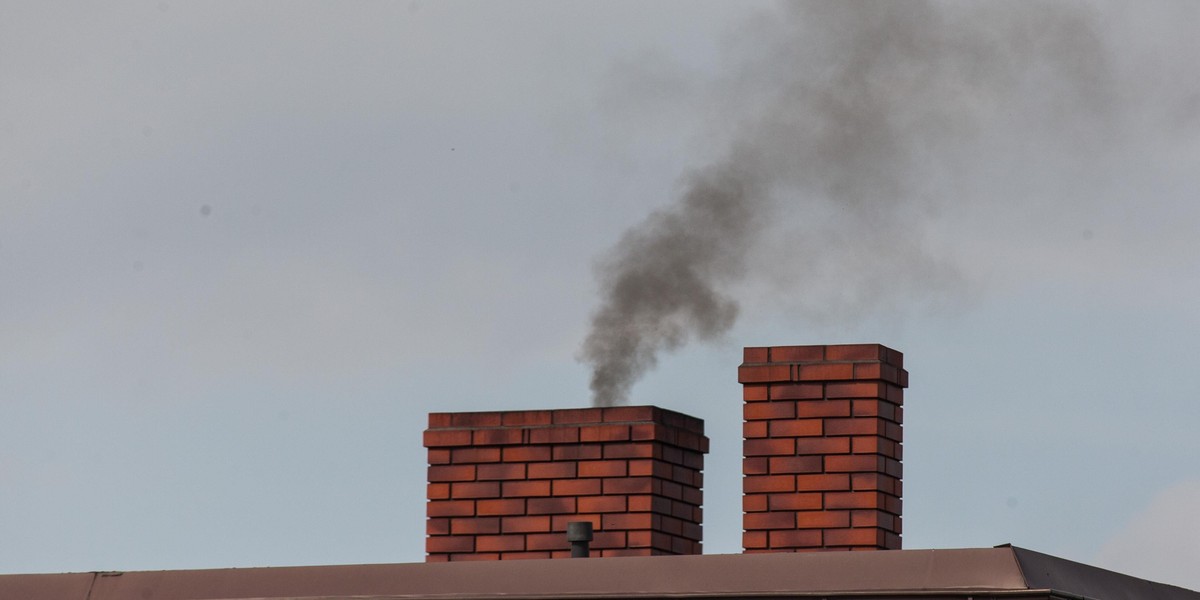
822	447
504	485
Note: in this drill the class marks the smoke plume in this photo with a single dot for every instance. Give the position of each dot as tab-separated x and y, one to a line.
850	123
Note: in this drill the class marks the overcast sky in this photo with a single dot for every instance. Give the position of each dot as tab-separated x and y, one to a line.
245	247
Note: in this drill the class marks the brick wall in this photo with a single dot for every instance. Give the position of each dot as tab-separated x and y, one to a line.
822	447
504	485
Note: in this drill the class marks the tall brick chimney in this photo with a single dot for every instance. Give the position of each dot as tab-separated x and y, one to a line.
822	447
504	485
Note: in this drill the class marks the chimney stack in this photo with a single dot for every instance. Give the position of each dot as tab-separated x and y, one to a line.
506	485
822	447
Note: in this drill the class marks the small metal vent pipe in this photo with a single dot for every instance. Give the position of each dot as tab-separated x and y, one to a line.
579	533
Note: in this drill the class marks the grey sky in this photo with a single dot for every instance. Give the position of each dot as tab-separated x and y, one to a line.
245	247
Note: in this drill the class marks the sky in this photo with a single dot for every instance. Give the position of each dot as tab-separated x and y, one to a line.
245	248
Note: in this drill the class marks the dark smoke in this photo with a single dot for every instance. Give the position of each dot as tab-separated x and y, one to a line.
852	121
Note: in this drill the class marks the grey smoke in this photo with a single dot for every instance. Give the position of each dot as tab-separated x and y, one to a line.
851	124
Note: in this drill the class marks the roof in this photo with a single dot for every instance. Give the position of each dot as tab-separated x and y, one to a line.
994	572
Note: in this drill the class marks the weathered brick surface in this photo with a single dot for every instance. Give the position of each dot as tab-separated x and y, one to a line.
822	447
504	485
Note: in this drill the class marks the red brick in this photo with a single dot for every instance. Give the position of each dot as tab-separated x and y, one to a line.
577	415
559	522
630	485
474	455
875	408
478	489
835	500
671	489
769	520
854	352
625	414
820	483
684	475
610	540
644	539
440	420
754	355
892	431
754	429
451	473
849	463
447	437
554	435
518	489
651	431
769	447
474	525
754	393
451	508
764	373
575	487
648	503
854	426
754	503
857	389
875	445
450	543
823	408
873	518
796	428
633	450
754	539
437	491
539	524
756	465
491	472
603	468
527	454
823	445
794	538
768	483
553	470
437	558
439	456
797	391
826	372
795	464
438	526
618	521
499	543
854	537
579	452
652	468
797	353
794	501
503	506
602	504
527	417
547	541
768	410
874	482
551	506
822	518
477	419
604	433
474	556
498	437
526	555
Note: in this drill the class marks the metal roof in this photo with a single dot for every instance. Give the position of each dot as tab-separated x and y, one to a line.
991	572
